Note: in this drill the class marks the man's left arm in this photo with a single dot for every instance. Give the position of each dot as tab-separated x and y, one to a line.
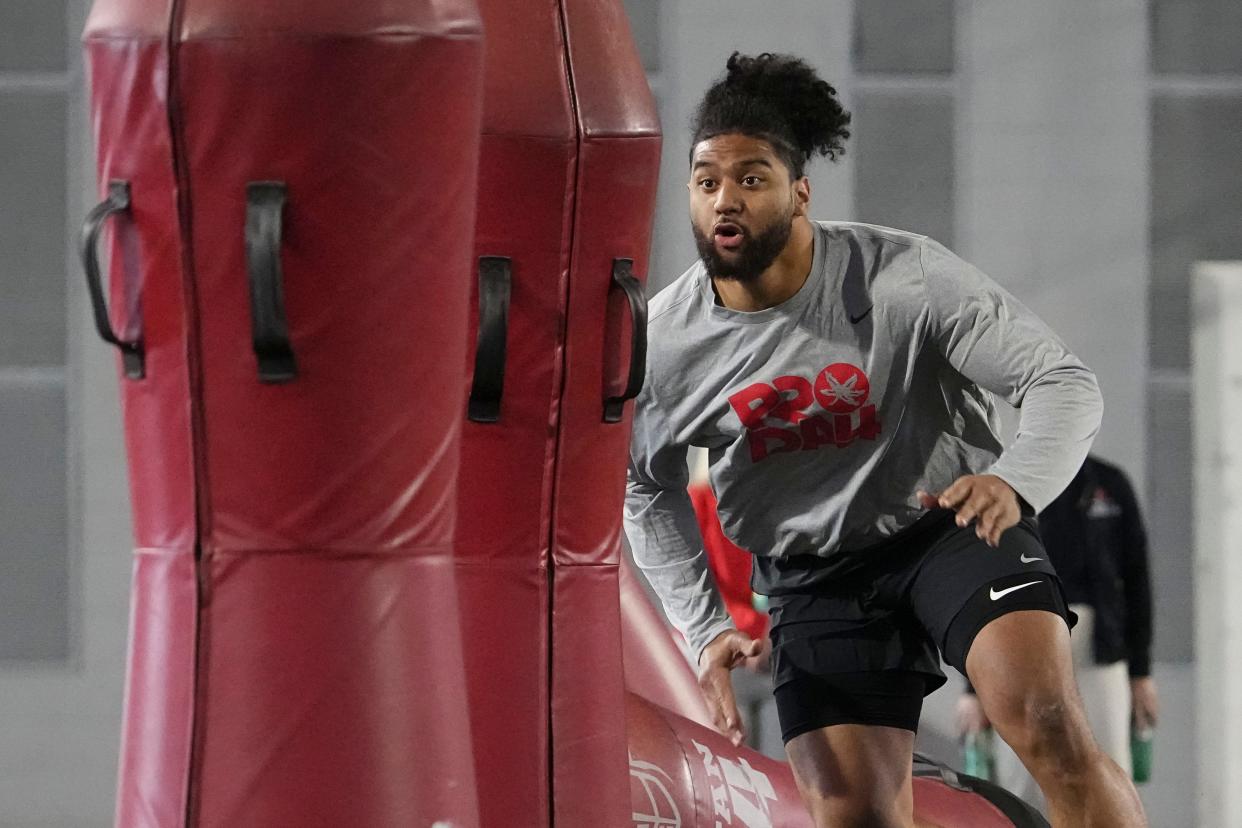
999	344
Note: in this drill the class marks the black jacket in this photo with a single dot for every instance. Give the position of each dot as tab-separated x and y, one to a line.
1095	538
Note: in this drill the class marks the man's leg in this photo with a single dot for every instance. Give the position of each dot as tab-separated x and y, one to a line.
855	776
850	741
1105	691
1021	667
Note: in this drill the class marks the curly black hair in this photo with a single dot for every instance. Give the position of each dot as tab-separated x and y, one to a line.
780	99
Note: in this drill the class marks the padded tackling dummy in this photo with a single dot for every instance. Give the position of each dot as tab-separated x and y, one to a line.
945	797
291	191
516	336
527	162
618	165
568	169
682	773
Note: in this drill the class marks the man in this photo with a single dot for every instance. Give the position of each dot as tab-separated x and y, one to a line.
839	376
1094	535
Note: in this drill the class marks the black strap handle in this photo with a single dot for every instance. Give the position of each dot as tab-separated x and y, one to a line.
495	281
623	277
118	201
265	204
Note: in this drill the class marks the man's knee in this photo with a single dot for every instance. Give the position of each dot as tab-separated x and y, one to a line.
860	812
865	803
1047	727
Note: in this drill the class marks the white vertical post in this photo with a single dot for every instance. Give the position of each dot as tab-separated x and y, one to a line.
1217	365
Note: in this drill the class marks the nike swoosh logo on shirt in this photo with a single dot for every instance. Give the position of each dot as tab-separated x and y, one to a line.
1025	559
854	320
999	594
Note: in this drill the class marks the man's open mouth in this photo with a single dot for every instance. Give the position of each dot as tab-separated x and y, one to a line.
729	236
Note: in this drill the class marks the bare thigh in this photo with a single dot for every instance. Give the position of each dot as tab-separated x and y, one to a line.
1021	667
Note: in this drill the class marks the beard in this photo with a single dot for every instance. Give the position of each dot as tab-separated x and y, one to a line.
755	255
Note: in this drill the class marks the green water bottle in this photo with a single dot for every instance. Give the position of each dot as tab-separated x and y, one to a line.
1141	739
980	757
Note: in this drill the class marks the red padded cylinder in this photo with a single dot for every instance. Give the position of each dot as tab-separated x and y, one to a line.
682	773
527	163
618	167
126	46
568	168
295	655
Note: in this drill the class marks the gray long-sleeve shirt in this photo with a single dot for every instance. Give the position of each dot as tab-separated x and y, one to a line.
824	415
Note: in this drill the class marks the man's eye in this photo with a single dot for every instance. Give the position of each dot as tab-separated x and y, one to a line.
707	183
751	180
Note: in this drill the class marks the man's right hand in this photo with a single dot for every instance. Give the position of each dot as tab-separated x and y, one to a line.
726	651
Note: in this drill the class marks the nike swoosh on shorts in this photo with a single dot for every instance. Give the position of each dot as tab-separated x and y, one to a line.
1025	559
998	594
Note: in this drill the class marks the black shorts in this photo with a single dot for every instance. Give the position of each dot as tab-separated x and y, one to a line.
865	648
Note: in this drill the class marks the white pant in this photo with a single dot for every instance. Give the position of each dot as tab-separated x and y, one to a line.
1105	690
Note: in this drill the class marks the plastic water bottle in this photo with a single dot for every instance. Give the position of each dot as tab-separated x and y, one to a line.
1141	739
980	757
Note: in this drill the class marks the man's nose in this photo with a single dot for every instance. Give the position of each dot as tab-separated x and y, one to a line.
728	198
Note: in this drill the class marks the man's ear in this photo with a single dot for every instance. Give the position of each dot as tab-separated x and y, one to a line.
802	196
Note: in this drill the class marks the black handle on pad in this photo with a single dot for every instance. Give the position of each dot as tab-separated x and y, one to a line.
265	203
495	281
623	277
118	201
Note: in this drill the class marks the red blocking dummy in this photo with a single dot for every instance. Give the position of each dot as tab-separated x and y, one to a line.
527	163
289	282
567	175
682	773
618	165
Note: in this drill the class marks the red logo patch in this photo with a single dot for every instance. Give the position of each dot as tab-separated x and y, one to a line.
777	418
842	388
